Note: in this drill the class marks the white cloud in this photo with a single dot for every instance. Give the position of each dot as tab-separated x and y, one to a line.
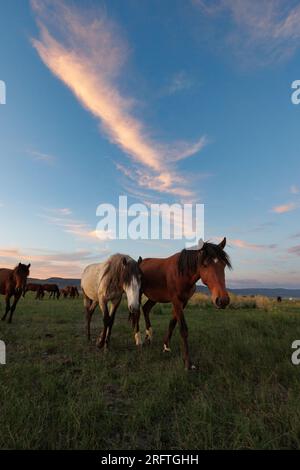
87	52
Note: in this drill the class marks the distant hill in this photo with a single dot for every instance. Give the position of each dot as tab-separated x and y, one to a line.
268	292
60	281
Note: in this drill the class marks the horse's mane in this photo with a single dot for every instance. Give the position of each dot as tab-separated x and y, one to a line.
116	273
189	260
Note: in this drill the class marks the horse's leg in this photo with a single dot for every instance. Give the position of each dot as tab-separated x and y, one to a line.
136	330
106	320
112	314
7	306
172	325
13	307
167	339
179	315
89	309
146	311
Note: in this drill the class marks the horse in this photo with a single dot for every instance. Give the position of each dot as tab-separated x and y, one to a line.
72	291
13	283
53	289
69	291
38	288
174	280
64	292
107	281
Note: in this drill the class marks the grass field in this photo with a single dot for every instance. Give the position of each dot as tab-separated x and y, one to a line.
59	392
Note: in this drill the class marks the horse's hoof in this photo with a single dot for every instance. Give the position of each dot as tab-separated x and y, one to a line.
138	339
191	367
166	348
99	344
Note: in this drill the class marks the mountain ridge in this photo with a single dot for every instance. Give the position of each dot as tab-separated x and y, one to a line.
266	291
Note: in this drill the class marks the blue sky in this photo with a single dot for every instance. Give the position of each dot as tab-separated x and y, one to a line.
168	101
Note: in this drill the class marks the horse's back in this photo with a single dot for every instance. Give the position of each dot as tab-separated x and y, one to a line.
90	280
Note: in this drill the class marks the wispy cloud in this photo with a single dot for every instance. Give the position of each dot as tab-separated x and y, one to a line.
46	263
251	246
179	82
290	206
75	227
42	157
267	29
295	189
87	52
294	250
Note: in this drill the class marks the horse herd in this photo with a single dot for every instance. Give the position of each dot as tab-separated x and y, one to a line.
53	289
164	280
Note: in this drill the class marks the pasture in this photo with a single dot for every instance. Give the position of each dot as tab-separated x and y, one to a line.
59	392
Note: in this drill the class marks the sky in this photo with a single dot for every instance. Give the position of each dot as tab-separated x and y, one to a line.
165	102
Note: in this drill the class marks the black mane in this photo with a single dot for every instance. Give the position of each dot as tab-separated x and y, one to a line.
189	260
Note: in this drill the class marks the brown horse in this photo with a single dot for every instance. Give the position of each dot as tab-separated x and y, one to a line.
64	292
72	292
69	291
38	288
13	283
174	280
53	289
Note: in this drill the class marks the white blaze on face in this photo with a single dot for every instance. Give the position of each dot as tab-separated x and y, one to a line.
133	294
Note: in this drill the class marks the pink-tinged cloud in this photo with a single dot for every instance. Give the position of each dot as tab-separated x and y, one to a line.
295	189
294	250
291	206
87	52
50	263
61	218
250	246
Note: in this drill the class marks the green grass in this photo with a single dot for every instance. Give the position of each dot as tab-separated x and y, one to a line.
59	392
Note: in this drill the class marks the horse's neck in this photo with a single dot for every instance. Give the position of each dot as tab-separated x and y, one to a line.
195	277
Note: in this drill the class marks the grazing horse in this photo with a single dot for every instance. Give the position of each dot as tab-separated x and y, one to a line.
38	288
53	289
69	291
64	292
174	280
13	283
106	282
72	291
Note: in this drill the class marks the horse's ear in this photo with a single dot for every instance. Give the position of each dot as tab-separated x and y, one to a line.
29	265
140	260
19	264
124	261
223	243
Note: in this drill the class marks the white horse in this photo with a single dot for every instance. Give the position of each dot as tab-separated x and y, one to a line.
106	282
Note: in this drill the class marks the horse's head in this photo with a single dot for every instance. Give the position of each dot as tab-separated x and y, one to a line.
212	272
20	274
131	283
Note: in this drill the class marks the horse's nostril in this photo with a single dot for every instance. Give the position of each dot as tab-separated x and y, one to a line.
218	302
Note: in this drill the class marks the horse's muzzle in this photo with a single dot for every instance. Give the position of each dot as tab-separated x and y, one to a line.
222	302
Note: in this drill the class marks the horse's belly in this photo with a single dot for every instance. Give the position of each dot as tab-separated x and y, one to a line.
157	295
